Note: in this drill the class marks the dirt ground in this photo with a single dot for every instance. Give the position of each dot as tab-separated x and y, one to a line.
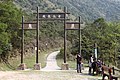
45	75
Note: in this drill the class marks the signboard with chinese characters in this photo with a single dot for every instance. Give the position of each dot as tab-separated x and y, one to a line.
29	25
53	16
72	25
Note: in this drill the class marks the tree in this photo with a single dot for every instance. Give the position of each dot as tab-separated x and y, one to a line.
106	35
10	18
4	38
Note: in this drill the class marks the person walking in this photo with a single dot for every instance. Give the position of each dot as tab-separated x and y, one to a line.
90	63
79	65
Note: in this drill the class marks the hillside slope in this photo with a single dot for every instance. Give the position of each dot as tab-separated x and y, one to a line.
88	9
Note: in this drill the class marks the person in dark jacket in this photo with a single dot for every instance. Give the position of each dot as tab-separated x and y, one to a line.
94	66
79	61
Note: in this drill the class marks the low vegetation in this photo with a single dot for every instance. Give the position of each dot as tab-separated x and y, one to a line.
29	60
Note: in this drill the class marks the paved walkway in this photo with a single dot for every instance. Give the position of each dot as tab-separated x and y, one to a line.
51	62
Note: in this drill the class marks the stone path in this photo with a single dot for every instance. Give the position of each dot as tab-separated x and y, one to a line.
51	62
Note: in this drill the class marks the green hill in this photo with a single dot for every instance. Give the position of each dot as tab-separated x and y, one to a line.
88	9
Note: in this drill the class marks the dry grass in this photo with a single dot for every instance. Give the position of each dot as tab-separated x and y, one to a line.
29	60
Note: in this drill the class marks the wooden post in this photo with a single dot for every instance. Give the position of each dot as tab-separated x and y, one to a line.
79	36
22	66
37	66
65	35
65	65
37	35
22	46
